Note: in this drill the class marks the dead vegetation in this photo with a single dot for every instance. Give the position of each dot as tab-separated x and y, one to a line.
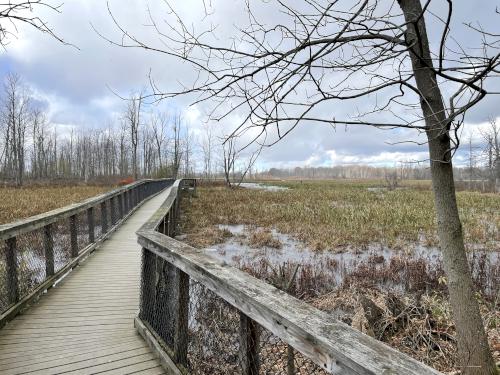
421	327
337	215
264	238
402	300
19	203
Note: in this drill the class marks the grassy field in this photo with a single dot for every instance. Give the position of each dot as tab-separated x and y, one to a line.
338	215
19	203
347	216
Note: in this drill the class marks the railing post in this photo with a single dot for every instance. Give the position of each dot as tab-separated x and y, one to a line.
148	282
164	225
90	221
11	265
169	223
290	361
181	318
112	205
74	236
49	250
249	346
104	218
120	205
127	201
165	301
177	209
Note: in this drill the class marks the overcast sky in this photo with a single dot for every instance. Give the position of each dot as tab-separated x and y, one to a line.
74	83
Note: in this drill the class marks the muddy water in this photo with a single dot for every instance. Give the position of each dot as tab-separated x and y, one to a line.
236	251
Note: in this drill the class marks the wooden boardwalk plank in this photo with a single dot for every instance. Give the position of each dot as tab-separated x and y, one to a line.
85	324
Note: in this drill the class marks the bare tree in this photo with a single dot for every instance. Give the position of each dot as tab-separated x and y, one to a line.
159	129
392	179
293	69
233	158
177	148
16	12
123	150
188	140
491	149
16	114
471	156
207	146
132	118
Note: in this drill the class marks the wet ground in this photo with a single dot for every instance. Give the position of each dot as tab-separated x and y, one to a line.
258	186
238	251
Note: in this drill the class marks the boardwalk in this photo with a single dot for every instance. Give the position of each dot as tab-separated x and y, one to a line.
84	325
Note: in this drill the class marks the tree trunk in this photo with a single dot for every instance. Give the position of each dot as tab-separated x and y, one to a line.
474	353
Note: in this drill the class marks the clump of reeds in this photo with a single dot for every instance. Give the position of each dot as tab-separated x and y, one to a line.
261	238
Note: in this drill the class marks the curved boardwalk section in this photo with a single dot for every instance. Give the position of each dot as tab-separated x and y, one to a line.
85	324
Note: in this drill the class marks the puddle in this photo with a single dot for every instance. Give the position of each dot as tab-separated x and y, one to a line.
384	189
258	186
237	252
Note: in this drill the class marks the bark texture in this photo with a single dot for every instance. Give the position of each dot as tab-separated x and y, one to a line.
474	353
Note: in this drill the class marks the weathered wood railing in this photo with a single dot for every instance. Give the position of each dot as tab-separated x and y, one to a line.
38	251
203	316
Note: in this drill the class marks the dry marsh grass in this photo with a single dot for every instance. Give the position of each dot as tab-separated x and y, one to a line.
19	203
338	215
264	238
408	290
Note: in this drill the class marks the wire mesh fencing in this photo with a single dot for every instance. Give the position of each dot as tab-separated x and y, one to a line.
33	252
219	338
82	231
202	332
61	241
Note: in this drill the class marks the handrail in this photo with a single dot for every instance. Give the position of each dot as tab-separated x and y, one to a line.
334	346
29	224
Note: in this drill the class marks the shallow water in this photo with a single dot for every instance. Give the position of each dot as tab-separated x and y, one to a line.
258	186
236	251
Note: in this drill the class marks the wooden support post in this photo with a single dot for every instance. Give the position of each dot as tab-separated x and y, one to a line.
104	218
181	318
290	361
148	283
249	346
11	268
91	224
165	302
163	225
169	223
177	209
74	236
48	240
112	205
127	201
120	205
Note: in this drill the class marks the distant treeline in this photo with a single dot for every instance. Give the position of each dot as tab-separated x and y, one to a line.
139	145
403	172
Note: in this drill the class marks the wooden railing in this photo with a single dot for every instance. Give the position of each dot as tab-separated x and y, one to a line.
36	252
201	315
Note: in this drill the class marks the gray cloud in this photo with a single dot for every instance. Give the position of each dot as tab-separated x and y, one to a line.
74	82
